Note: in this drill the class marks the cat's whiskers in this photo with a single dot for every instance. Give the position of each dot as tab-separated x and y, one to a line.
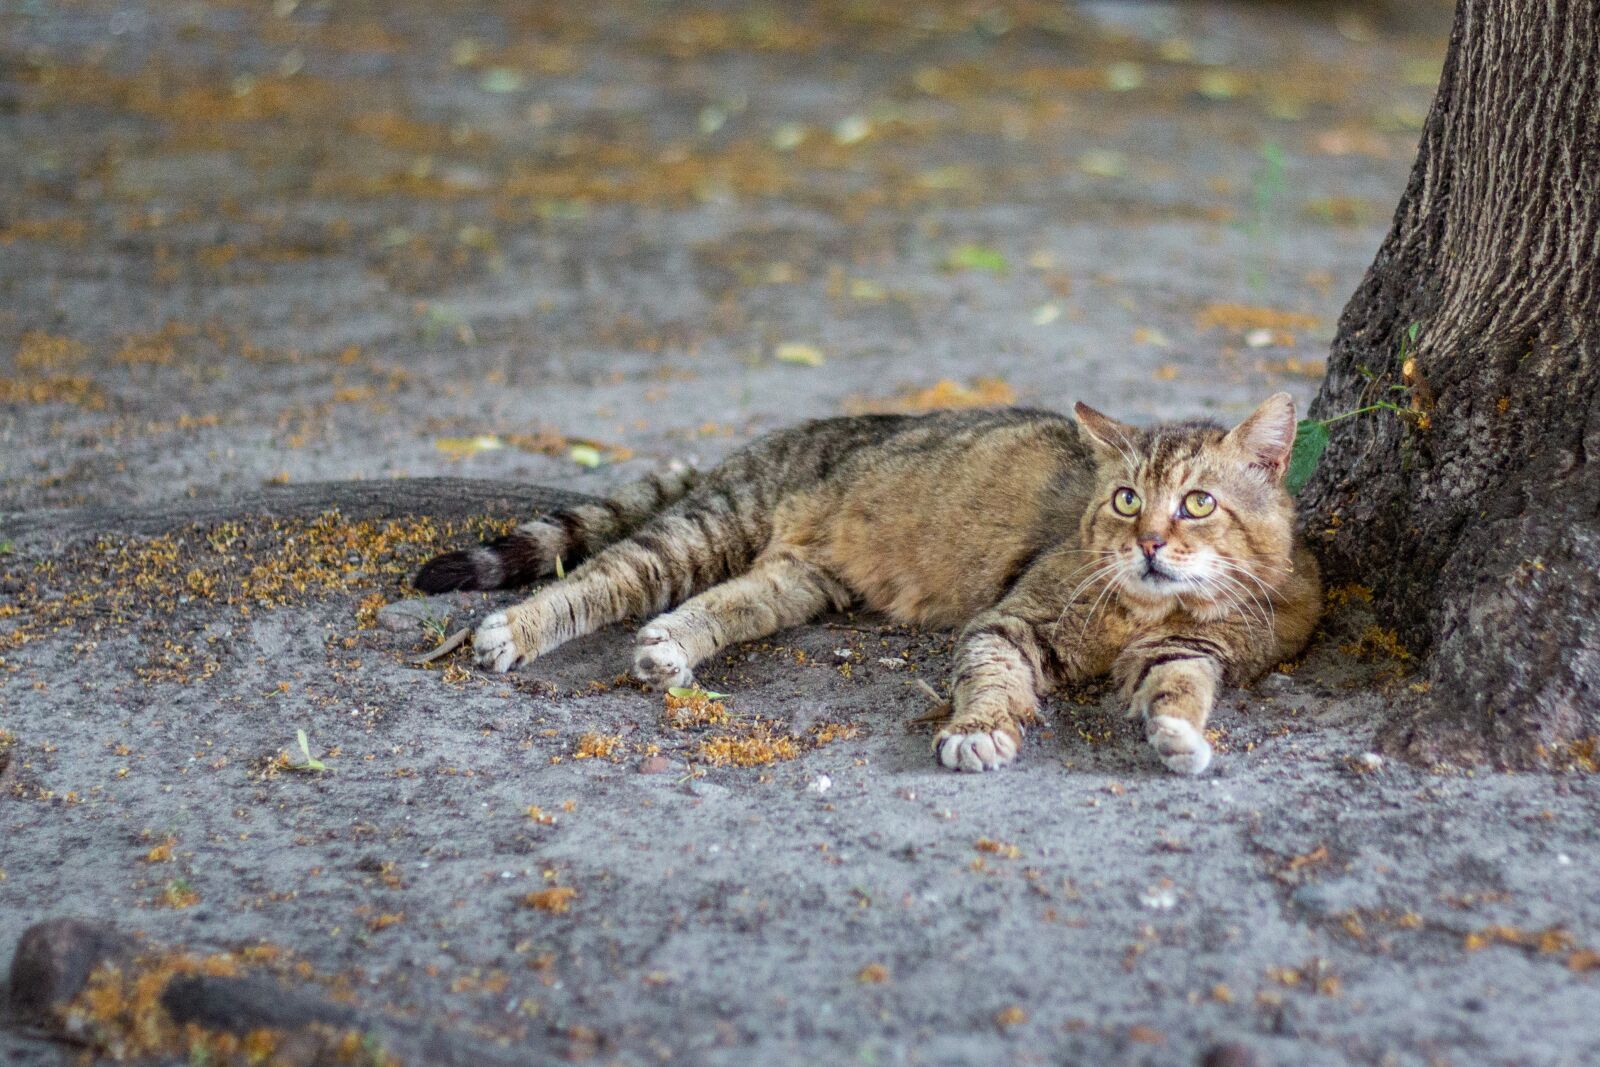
1239	569
1098	553
1226	598
1105	569
1257	609
1260	564
1103	597
1254	564
1102	556
1239	594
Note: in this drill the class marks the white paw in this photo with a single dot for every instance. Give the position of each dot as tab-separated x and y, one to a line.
1181	747
659	661
493	646
983	751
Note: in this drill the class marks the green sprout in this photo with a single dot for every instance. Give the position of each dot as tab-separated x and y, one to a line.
1311	435
311	763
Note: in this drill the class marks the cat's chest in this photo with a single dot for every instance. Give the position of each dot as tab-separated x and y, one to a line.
1088	639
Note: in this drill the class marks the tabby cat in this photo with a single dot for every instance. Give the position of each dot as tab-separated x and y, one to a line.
1165	556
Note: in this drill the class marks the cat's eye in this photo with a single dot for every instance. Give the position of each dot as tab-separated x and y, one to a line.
1198	505
1126	502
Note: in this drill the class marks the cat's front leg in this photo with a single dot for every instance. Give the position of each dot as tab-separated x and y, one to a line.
1171	687
978	741
994	691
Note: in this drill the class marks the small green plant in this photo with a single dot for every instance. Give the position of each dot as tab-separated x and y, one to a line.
438	320
1311	441
179	893
310	762
976	257
695	694
1265	188
6	547
372	1048
1312	436
1408	344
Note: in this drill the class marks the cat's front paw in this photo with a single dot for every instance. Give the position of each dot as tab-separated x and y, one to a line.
981	750
494	645
1181	747
660	661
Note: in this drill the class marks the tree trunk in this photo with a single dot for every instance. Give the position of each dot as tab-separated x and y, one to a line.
1474	515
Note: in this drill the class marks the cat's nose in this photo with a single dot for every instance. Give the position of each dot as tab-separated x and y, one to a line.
1150	544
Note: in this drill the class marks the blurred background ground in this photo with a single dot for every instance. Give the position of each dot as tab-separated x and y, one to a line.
241	242
269	244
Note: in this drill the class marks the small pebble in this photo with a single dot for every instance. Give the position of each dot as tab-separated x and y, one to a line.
1229	1054
1366	763
889	663
1159	898
655	765
821	784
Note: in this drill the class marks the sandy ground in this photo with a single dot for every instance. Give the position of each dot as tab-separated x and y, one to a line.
276	245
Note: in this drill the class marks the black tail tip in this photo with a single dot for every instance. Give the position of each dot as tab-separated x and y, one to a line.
442	574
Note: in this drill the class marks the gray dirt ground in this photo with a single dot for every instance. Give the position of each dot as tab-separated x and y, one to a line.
244	244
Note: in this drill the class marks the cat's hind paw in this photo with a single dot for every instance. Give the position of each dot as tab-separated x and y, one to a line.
1182	747
982	750
660	661
494	645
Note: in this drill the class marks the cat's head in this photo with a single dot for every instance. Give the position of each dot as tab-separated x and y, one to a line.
1191	510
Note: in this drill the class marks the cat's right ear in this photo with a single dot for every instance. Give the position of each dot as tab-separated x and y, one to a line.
1104	434
1267	436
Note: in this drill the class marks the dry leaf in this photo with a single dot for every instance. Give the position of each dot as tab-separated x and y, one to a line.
467	446
796	352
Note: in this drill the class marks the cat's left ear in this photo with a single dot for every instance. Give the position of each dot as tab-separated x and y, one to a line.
1267	436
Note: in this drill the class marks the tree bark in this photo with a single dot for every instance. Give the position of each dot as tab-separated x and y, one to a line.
1474	515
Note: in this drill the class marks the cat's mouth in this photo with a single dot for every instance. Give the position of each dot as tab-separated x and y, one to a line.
1157	575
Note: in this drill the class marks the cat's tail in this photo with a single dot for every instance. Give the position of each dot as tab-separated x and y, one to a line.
531	550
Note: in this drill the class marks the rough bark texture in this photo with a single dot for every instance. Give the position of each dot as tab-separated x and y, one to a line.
1475	516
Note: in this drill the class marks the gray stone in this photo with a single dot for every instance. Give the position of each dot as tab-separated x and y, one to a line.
413	613
53	960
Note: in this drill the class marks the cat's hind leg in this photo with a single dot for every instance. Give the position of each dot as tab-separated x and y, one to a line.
673	557
781	589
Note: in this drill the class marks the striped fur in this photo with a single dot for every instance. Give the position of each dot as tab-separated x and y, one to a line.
571	535
1006	523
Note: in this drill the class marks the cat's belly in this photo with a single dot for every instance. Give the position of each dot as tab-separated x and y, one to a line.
934	535
923	592
936	568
